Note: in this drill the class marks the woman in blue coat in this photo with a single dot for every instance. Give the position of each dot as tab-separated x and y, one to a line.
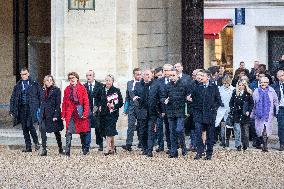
50	113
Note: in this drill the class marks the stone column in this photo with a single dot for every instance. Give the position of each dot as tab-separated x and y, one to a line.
126	50
209	52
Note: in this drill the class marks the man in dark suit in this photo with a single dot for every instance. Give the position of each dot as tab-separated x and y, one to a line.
183	76
94	93
162	83
137	75
24	107
205	102
279	89
147	102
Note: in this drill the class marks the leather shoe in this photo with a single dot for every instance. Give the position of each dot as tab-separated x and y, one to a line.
43	153
173	156
197	157
150	155
159	150
281	148
101	148
85	151
239	148
208	157
127	148
27	150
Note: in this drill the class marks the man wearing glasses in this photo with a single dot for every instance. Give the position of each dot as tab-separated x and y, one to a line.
24	106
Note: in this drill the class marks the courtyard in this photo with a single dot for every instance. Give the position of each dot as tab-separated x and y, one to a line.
228	169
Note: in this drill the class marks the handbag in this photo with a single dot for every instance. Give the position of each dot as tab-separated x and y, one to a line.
80	110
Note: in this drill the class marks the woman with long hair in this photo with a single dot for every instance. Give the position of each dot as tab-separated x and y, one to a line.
241	105
49	117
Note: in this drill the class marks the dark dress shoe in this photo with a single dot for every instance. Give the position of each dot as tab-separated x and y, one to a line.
144	153
198	157
173	156
109	153
43	153
61	151
101	148
209	157
168	152
150	154
245	148
27	150
127	148
281	148
239	148
85	151
159	150
67	154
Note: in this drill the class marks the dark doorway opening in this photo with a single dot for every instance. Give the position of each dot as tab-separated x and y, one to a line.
275	49
32	32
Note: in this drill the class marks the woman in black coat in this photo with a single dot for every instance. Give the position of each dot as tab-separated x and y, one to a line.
50	113
111	101
241	105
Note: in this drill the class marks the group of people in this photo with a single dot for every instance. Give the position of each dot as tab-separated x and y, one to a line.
209	106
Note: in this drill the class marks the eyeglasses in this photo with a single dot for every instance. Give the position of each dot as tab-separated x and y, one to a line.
70	78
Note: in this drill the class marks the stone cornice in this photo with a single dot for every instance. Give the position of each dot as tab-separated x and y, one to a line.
244	4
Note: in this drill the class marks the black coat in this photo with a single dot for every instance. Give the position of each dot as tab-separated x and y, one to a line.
50	108
177	93
33	96
205	102
94	99
148	105
239	105
276	87
118	103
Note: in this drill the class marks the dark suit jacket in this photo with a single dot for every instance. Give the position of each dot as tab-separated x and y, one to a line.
94	99
33	95
205	102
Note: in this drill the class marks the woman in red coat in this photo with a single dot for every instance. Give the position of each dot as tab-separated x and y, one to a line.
75	110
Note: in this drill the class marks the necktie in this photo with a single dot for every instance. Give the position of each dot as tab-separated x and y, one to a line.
90	88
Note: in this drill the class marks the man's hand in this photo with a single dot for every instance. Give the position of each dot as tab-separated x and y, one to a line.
163	114
135	98
188	98
247	113
54	119
167	100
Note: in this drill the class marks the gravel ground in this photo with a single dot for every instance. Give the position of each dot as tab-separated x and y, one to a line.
228	169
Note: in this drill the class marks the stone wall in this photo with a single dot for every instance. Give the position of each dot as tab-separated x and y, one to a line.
152	30
7	79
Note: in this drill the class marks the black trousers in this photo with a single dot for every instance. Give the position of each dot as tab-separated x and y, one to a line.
27	126
57	134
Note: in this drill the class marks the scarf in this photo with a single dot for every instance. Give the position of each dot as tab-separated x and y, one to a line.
73	94
47	90
263	104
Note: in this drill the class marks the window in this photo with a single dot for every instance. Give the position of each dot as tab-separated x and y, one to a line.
81	5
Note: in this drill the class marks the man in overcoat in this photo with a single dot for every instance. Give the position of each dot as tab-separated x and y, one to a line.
24	106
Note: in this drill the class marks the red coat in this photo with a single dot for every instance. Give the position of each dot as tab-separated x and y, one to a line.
68	107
